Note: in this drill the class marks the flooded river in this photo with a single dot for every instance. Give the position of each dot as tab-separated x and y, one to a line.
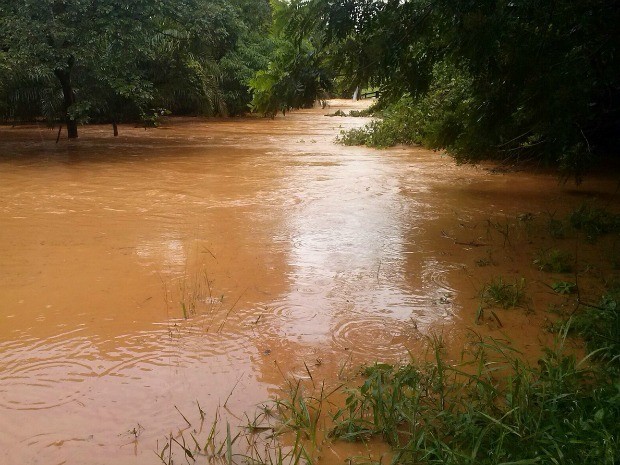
208	260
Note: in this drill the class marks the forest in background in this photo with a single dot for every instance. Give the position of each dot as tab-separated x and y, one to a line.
112	61
480	79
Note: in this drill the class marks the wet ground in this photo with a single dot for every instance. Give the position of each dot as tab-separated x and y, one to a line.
208	260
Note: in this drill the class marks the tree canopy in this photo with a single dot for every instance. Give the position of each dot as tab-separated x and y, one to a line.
109	60
480	78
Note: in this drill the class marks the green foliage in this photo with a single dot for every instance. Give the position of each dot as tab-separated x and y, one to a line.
398	126
594	222
293	79
439	119
28	93
436	413
554	261
564	287
92	50
296	75
361	113
503	294
240	66
337	113
216	46
112	60
599	325
502	79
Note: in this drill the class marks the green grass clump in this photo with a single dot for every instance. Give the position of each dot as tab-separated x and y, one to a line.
502	294
594	222
554	261
490	409
599	325
361	113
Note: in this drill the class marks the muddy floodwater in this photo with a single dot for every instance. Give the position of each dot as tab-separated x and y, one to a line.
205	261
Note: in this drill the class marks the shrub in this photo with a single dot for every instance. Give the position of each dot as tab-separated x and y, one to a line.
554	261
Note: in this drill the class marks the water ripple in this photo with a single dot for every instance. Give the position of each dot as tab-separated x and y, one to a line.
385	338
48	373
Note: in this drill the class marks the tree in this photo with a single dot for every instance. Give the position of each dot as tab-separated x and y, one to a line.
112	60
73	39
295	75
203	67
535	79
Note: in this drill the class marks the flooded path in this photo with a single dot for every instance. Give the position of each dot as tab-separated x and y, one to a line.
206	260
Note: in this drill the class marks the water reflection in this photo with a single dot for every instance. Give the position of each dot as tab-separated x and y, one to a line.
346	240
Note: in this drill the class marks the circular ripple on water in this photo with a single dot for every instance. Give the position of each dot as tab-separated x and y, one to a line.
35	377
299	322
181	345
439	278
375	337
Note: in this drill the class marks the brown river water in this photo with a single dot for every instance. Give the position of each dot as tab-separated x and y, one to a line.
208	260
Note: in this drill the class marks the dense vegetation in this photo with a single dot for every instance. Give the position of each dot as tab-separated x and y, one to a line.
492	406
492	409
110	61
480	78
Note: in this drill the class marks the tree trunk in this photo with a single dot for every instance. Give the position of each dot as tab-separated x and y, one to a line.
115	128
64	76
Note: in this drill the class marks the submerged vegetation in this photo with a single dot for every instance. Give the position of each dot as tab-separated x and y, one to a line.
491	407
599	326
554	260
504	294
490	404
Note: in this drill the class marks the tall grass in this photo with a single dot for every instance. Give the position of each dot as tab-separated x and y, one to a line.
599	325
282	432
491	408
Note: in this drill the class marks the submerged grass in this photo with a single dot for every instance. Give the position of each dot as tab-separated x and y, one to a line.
490	409
599	326
257	443
554	261
504	294
594	221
